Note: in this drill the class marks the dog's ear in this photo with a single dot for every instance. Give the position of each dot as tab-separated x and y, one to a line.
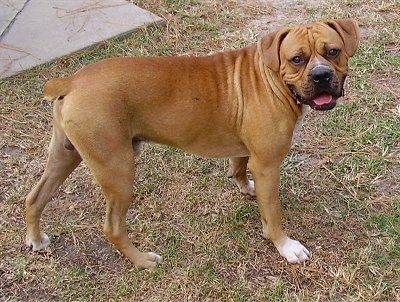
268	47
348	31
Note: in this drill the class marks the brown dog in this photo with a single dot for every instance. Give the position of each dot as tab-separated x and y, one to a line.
240	104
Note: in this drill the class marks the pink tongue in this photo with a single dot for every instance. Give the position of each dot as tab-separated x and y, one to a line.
323	99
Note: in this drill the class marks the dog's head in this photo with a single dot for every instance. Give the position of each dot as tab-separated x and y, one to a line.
312	60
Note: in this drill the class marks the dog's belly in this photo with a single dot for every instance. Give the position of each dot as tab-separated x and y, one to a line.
204	146
218	151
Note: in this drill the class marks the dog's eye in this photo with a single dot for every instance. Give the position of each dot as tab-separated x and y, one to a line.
297	60
333	53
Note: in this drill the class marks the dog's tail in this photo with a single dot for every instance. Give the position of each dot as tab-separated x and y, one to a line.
57	88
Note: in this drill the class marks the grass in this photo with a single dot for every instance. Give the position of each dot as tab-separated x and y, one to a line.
340	182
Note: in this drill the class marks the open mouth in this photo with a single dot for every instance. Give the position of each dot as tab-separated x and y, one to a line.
324	101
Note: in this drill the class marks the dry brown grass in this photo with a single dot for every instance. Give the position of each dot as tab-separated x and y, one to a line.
340	183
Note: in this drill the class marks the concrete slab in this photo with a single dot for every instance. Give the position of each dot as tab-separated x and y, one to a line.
45	30
9	9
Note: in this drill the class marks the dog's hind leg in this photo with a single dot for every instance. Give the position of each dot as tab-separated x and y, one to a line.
112	165
60	164
238	172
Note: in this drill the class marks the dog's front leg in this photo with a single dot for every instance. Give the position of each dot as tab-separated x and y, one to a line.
266	177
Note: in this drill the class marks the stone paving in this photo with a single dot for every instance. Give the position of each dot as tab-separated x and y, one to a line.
33	32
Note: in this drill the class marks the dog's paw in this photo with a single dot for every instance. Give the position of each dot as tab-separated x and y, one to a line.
248	189
155	258
39	245
293	251
149	261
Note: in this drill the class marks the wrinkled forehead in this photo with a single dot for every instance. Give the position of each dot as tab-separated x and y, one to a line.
307	39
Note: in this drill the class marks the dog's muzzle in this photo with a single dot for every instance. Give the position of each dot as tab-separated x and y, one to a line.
325	94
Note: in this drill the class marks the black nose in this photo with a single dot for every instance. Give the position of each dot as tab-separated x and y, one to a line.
321	74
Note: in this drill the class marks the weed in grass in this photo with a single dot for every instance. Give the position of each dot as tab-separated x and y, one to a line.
277	293
21	266
245	212
225	253
387	223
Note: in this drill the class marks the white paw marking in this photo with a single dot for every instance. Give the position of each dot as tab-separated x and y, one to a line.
156	258
293	251
249	189
150	262
36	246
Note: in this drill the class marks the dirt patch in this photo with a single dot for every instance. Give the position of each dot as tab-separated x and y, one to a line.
10	151
284	13
389	84
97	254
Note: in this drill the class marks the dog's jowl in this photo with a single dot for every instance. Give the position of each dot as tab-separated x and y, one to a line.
241	104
